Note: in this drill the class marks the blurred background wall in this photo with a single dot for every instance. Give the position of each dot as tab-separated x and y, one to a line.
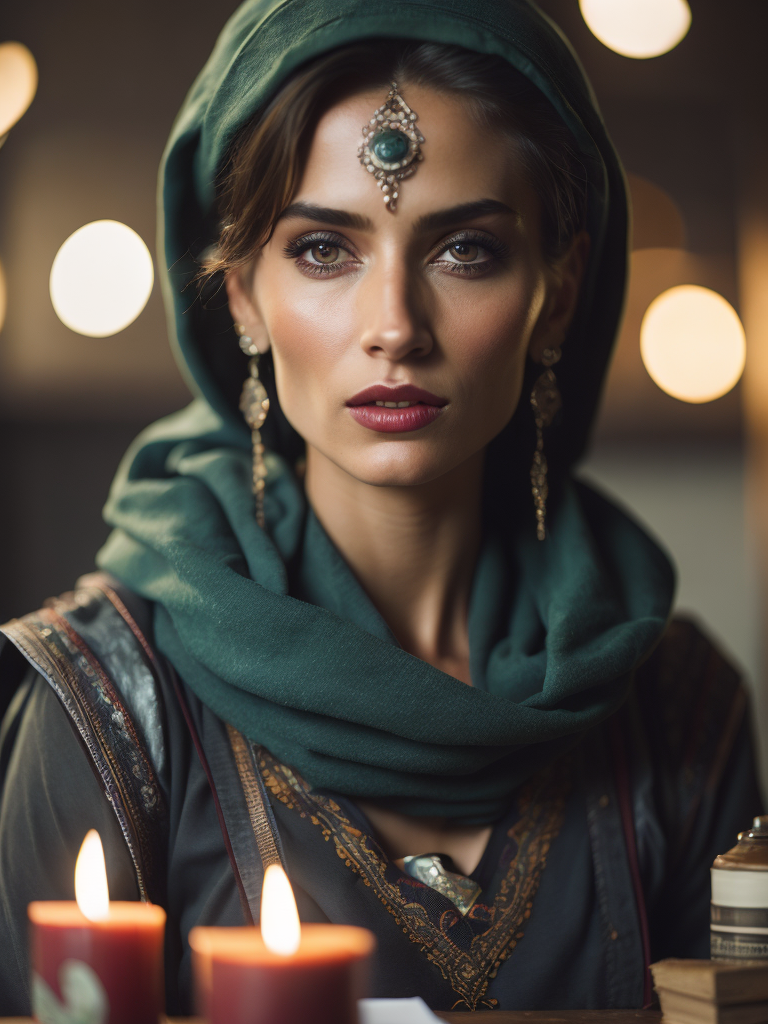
691	128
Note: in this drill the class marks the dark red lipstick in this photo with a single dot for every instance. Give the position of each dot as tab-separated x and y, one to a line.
384	408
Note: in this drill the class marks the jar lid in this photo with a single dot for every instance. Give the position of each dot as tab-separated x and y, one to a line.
750	852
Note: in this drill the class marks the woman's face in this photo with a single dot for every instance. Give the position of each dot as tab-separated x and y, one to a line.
446	295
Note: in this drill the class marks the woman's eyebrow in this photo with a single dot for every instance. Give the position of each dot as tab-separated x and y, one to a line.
464	211
327	215
434	221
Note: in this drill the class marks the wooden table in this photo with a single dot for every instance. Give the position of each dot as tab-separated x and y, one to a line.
497	1017
561	1017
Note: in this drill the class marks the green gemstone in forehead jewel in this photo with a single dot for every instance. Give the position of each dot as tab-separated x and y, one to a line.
390	146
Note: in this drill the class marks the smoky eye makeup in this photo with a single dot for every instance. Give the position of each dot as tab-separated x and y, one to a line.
320	252
470	252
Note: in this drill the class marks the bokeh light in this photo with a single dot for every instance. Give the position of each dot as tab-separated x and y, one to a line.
18	83
692	343
637	28
101	278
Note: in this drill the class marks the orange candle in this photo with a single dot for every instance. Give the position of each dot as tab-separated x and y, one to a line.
284	973
102	959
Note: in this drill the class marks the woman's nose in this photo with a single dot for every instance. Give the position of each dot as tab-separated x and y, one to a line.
395	322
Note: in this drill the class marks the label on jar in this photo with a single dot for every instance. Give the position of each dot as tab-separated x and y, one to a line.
724	946
739	915
748	889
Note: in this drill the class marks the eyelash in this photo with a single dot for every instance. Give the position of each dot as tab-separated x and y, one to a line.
497	251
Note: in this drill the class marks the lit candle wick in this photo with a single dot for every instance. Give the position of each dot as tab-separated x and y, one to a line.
91	891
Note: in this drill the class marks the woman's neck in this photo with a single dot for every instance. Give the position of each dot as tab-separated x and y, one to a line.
413	549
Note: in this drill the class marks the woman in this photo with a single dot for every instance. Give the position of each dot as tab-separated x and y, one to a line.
420	665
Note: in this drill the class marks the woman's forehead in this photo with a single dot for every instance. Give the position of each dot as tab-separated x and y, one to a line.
463	161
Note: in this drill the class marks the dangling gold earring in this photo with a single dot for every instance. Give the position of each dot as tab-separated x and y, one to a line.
254	405
546	402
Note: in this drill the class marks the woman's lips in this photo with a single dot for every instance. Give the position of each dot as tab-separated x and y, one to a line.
393	421
376	407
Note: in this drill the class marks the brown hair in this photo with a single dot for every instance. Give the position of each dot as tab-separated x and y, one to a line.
268	154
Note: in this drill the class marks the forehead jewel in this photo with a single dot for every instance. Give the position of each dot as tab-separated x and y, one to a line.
391	146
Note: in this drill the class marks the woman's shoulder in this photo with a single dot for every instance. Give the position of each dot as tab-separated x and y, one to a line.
693	728
90	649
691	695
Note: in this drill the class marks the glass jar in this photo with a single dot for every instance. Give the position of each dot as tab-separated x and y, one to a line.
739	909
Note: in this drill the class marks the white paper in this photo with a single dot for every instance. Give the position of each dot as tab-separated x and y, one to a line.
396	1011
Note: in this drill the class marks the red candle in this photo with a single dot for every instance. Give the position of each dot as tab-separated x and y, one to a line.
102	959
282	974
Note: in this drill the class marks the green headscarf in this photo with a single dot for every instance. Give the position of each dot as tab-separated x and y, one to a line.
556	628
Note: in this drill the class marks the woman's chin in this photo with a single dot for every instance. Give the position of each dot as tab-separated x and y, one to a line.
399	470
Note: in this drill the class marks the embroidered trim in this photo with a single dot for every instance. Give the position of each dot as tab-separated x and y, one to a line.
254	798
542	808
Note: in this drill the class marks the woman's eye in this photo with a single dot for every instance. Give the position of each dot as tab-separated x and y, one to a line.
466	257
318	256
324	257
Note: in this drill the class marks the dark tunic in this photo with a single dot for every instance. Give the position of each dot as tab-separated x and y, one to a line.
557	923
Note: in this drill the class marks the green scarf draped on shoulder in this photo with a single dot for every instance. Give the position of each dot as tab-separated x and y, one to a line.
269	627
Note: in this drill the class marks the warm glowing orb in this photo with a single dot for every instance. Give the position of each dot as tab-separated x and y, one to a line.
692	343
280	926
18	83
101	278
637	28
91	890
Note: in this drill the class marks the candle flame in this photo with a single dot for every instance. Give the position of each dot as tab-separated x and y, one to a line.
91	890
280	927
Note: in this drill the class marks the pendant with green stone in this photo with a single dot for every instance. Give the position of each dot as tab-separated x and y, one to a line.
391	145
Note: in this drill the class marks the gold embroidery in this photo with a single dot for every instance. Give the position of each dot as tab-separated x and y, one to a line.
246	769
542	806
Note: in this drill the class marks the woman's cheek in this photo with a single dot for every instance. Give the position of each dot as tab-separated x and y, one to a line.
308	331
490	338
306	361
305	315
